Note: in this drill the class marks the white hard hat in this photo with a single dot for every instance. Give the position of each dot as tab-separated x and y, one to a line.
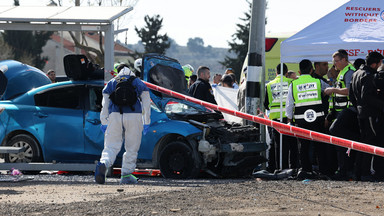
138	64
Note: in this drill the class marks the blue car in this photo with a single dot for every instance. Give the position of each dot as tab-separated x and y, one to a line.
60	122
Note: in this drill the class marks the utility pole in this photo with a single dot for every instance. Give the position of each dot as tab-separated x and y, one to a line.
77	33
256	60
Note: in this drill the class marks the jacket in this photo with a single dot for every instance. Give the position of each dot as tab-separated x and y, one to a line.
202	90
364	94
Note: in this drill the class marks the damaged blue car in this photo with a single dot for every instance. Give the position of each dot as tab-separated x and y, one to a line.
60	122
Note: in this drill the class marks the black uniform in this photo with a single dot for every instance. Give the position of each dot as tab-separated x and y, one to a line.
370	112
202	90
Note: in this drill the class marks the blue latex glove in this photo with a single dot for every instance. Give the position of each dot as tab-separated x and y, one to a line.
145	129
103	128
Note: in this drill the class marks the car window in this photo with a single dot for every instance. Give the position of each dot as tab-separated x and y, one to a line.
95	98
68	98
176	107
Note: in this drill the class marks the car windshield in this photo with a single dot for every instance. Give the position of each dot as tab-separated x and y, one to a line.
174	107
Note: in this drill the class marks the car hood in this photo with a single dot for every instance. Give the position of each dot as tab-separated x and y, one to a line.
17	78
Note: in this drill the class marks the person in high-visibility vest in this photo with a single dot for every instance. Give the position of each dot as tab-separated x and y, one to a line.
341	89
304	108
275	89
341	119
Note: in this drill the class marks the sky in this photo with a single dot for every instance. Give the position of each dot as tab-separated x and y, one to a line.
214	20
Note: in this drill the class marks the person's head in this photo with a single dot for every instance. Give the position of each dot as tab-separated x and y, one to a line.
374	60
127	70
305	66
51	75
340	59
229	71
332	73
204	73
115	68
188	70
217	78
358	62
227	81
233	77
192	79
138	65
321	68
291	74
278	69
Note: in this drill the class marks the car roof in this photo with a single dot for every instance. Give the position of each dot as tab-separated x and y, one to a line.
18	78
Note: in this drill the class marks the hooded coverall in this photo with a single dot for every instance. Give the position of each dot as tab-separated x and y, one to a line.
126	127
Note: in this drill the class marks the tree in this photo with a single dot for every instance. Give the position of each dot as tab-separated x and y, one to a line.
6	50
27	46
239	45
153	42
196	44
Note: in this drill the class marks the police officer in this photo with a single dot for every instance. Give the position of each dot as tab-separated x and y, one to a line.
370	107
276	91
202	89
304	108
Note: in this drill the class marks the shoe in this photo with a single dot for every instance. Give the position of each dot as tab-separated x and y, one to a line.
129	179
100	173
320	176
302	175
339	176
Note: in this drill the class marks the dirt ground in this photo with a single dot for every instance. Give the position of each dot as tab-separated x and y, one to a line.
79	195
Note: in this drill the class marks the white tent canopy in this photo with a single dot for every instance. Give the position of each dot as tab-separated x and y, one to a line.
357	26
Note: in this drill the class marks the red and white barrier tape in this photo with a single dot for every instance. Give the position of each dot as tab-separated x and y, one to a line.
281	127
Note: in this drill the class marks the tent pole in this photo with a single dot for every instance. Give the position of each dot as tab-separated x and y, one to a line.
281	114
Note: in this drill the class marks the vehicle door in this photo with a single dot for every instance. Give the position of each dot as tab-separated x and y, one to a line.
93	136
59	119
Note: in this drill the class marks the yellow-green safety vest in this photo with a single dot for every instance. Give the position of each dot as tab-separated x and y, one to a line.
306	92
273	90
340	102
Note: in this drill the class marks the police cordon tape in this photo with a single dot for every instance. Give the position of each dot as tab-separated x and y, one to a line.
281	127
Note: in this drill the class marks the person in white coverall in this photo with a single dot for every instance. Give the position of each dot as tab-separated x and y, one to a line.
122	128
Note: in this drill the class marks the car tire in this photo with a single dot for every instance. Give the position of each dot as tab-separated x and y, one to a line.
177	161
31	152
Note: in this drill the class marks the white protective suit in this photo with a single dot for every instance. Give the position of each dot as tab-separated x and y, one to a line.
125	127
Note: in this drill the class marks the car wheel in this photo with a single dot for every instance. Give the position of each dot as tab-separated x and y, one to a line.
177	161
31	151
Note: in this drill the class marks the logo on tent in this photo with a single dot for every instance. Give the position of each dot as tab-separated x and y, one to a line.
382	15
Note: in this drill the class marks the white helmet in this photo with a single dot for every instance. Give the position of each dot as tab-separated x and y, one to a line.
138	64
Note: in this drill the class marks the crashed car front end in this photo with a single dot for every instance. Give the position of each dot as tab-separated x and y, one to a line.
225	150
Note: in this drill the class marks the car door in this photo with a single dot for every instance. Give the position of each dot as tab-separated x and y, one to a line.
59	119
93	136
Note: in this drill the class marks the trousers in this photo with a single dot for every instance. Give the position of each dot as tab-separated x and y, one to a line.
122	129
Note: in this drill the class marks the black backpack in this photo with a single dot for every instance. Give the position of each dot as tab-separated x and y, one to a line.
124	93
